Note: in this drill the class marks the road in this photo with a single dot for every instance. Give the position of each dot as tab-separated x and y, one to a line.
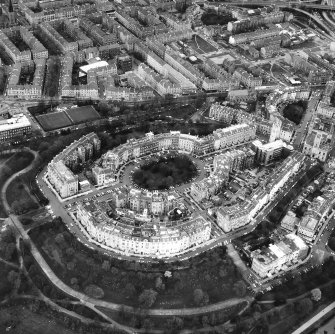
313	320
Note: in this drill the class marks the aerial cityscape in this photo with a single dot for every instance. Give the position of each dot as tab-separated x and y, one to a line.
167	166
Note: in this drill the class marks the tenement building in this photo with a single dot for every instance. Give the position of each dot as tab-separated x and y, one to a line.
151	238
60	173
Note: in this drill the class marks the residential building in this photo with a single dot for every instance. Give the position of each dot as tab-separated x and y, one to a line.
267	153
60	174
62	179
149	238
290	222
241	214
279	256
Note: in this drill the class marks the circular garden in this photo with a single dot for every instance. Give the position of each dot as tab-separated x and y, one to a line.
165	172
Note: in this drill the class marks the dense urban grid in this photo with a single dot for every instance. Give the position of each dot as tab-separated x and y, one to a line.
167	166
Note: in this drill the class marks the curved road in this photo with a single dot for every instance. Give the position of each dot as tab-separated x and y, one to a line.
91	302
9	180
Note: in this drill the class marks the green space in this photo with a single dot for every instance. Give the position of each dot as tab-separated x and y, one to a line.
53	121
22	319
5	285
52	76
207	278
165	172
7	253
295	111
331	241
214	19
10	166
211	321
19	198
82	114
3	78
61	119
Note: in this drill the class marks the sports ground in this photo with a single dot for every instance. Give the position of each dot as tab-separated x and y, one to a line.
201	46
61	119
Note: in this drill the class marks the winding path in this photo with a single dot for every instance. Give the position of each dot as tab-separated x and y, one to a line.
92	302
11	178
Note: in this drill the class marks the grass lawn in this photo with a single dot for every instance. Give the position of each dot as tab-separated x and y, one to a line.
123	281
55	120
82	114
25	321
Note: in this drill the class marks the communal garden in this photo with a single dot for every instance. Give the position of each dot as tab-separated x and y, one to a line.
165	172
11	164
295	111
207	278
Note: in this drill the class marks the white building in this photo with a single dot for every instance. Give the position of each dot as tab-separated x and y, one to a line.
15	127
267	153
62	179
150	238
279	256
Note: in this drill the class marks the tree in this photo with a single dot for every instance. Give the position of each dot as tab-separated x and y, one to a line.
147	298
159	283
106	265
331	243
175	323
147	324
70	265
316	294
130	289
12	276
9	251
59	238
70	251
304	307
17	207
200	297
240	288
103	108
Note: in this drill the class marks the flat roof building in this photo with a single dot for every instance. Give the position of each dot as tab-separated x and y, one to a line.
14	127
